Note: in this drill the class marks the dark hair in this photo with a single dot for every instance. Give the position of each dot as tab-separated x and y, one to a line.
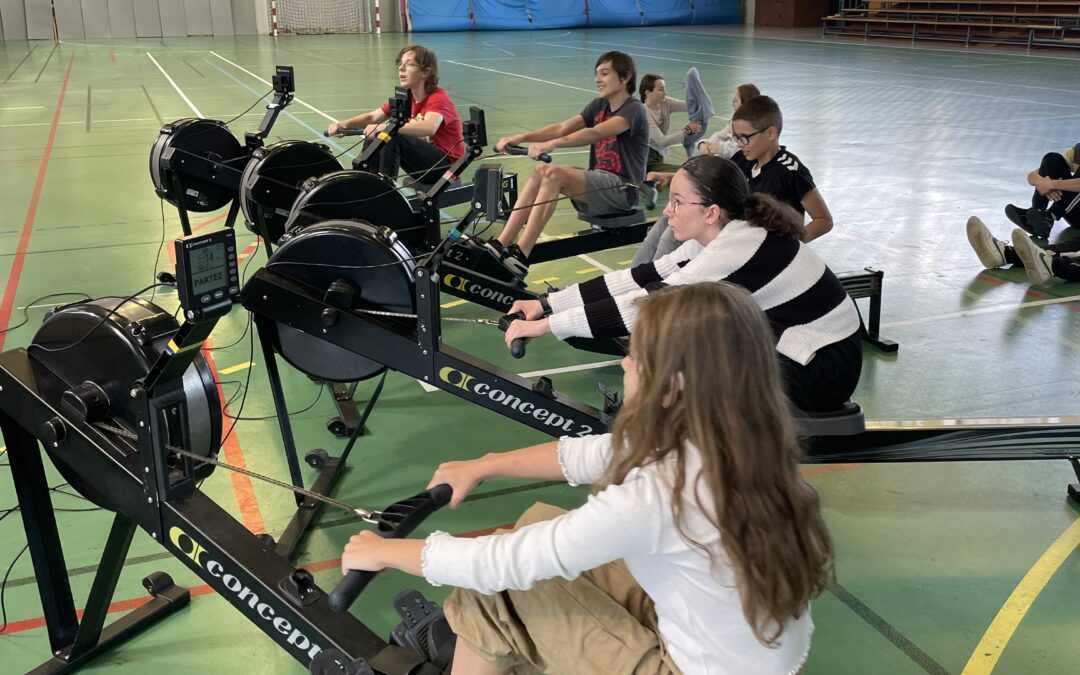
428	62
648	83
761	112
623	64
747	91
720	181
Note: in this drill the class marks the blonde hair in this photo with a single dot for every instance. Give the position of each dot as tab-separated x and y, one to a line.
709	376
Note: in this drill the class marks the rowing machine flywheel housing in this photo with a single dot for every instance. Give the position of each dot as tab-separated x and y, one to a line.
194	150
273	178
112	346
367	264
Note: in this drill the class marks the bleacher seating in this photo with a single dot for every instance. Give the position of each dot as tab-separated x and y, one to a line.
1033	23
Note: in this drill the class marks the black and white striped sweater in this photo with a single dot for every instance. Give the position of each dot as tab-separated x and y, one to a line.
803	299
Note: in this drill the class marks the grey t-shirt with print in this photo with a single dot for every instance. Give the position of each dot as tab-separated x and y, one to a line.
627	153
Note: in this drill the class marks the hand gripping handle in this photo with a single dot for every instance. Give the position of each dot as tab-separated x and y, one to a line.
512	149
397	521
517	347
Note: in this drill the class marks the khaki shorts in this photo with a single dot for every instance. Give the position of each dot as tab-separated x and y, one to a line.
601	623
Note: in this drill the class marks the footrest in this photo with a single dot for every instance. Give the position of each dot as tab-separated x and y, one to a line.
423	628
847	421
612	221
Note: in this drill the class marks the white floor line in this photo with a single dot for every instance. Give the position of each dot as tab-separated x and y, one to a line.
596	263
175	86
539	373
980	310
267	83
25	107
525	77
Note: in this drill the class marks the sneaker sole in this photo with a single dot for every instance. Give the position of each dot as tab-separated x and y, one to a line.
978	235
1033	264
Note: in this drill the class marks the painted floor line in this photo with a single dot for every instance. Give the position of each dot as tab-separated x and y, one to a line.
175	86
596	263
524	77
19	259
236	369
267	83
997	636
981	310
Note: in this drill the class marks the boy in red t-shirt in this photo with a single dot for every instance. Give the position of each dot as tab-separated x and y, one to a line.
431	140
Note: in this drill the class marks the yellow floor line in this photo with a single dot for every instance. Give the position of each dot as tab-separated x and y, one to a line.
3	449
455	303
1001	629
537	282
625	262
587	270
233	369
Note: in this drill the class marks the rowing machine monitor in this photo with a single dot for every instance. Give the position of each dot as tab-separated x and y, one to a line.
284	80
207	275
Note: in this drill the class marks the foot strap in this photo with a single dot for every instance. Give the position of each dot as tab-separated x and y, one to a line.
423	628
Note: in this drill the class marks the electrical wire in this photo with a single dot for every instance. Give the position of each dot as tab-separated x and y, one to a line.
99	324
26	308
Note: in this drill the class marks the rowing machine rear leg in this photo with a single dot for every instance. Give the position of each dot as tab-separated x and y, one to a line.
1074	488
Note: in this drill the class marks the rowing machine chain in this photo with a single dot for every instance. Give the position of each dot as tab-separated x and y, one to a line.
371	517
402	315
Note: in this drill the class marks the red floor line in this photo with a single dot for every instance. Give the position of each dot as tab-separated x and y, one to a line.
250	514
112	56
7	305
134	603
208	223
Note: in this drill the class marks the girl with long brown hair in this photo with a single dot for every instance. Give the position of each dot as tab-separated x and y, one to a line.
701	547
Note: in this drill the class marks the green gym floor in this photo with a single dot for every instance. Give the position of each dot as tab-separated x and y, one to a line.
942	568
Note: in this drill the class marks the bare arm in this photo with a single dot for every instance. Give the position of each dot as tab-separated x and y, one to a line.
588	136
820	219
424	126
537	461
358	122
543	134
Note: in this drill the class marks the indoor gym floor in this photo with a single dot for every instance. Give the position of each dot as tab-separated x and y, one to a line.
942	568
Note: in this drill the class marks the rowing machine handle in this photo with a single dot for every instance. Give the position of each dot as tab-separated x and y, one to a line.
517	347
396	522
344	132
512	149
650	190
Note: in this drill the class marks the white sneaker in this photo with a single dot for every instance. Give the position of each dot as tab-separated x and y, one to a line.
991	251
1037	261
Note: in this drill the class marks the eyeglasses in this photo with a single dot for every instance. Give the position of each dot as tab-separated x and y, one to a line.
675	204
407	64
743	139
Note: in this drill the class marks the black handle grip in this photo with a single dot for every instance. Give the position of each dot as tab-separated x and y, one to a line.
397	521
345	132
517	347
512	149
650	190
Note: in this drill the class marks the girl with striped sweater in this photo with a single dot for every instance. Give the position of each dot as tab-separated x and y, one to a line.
728	235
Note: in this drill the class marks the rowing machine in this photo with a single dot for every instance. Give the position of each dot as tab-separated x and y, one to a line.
121	400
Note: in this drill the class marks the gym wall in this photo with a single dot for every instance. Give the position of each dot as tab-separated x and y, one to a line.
90	19
443	15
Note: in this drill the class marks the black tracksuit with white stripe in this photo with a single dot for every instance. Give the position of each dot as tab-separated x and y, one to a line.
784	177
808	308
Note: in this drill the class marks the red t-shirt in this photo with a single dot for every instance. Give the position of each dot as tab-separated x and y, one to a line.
448	137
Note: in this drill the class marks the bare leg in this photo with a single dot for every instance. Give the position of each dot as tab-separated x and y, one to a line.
565	180
468	662
522	208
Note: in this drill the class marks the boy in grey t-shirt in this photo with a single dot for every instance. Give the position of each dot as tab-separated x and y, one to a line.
615	126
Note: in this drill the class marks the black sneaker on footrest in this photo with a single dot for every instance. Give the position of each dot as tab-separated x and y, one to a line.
516	261
423	628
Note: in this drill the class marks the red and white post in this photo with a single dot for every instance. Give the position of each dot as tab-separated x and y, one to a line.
378	19
273	18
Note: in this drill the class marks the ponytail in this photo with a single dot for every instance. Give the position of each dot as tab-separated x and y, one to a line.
769	213
720	181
